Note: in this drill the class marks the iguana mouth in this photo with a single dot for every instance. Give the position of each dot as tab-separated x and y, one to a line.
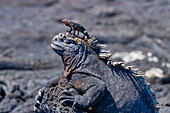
56	46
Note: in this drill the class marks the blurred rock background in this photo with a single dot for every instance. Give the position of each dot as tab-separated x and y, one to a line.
136	31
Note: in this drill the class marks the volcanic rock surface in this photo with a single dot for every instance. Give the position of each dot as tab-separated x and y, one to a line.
136	31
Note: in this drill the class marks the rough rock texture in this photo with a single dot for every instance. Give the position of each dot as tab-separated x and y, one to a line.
50	101
27	27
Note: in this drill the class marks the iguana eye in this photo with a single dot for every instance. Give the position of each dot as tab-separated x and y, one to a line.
67	42
62	40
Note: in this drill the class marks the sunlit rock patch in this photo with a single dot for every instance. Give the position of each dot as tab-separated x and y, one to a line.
152	58
129	56
165	64
154	72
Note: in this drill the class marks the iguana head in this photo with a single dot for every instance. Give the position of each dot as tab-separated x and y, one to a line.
72	50
63	45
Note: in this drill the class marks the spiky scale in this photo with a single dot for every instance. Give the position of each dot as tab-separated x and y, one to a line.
118	63
95	41
105	56
154	99
157	110
91	39
102	45
109	62
157	107
150	92
77	40
153	95
147	86
141	77
128	67
105	50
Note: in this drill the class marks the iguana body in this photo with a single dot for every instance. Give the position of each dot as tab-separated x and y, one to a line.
97	82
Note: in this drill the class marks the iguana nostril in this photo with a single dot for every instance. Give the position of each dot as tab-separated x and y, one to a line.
55	39
64	37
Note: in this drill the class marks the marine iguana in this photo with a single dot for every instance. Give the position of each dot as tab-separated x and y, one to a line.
102	85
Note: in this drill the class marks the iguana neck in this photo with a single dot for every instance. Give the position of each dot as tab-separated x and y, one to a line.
92	66
85	62
72	62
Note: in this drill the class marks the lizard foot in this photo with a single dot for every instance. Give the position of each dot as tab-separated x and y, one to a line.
69	31
38	99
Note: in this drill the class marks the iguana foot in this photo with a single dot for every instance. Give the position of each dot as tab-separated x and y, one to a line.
68	98
38	99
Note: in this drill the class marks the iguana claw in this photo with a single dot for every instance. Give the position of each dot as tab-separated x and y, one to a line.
66	92
35	109
67	102
74	104
38	99
67	98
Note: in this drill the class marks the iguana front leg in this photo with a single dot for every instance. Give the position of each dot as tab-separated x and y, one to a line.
38	99
91	91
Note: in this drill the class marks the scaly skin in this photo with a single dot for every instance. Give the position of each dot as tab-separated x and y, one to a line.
103	88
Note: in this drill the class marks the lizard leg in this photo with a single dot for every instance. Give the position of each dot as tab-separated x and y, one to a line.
77	33
74	32
70	30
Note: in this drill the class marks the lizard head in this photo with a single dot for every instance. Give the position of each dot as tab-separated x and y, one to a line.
67	22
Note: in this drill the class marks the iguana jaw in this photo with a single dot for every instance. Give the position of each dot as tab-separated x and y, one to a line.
65	46
57	47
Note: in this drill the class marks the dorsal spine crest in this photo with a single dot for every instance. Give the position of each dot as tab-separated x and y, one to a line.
103	54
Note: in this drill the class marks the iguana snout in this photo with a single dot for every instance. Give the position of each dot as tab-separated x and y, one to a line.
63	44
